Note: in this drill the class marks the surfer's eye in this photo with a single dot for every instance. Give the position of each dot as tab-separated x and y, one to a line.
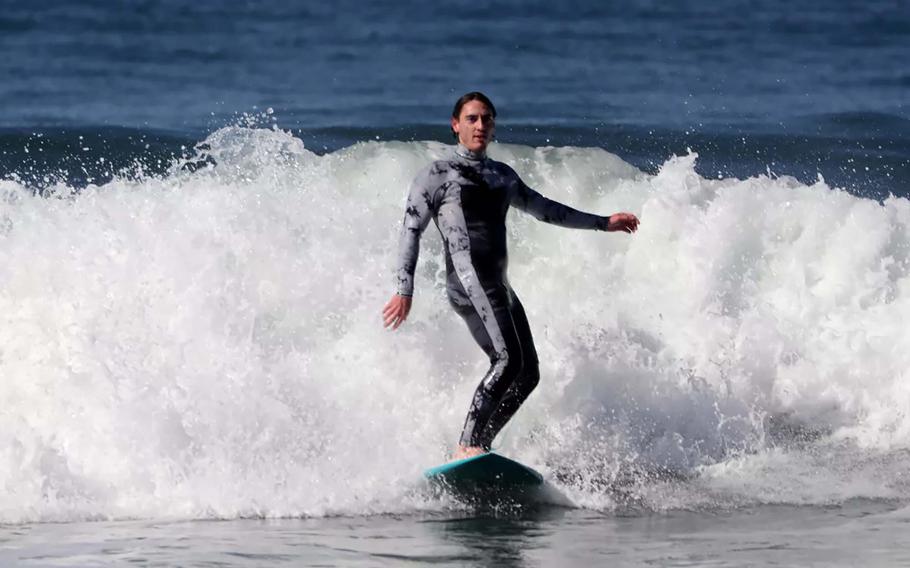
486	118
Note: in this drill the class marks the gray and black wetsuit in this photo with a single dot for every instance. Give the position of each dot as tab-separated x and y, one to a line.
468	196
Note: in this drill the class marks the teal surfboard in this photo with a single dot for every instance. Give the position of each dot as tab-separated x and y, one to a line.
485	474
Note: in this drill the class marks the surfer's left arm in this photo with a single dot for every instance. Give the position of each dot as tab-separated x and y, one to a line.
554	212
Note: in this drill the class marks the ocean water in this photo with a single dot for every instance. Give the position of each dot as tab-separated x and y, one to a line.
199	209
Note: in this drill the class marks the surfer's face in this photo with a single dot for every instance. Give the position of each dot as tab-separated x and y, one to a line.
474	126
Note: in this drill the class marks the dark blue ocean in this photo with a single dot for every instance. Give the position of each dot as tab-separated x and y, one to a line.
199	213
814	87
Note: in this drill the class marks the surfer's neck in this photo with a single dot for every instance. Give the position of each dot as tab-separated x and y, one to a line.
462	152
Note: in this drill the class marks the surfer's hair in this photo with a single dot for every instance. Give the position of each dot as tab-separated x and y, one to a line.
468	97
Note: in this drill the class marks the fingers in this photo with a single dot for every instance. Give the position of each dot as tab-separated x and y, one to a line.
396	311
388	309
392	317
625	222
393	322
388	319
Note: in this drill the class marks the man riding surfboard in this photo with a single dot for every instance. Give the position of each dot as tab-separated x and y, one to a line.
468	195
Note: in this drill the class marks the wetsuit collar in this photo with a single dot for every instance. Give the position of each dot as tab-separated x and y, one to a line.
463	152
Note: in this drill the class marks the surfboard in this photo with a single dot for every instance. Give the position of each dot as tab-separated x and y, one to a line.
485	474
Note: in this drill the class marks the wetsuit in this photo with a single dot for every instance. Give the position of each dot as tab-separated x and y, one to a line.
468	196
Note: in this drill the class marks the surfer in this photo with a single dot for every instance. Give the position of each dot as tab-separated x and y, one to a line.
468	195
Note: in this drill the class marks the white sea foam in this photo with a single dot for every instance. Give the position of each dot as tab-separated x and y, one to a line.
209	344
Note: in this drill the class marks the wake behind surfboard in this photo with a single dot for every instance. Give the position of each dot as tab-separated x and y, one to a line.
487	478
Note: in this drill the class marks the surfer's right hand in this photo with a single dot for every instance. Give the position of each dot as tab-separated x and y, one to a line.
396	311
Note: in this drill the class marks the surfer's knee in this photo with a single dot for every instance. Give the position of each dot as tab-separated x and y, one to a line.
530	376
522	370
505	367
514	369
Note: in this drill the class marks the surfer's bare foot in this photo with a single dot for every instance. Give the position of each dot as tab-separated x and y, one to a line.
464	452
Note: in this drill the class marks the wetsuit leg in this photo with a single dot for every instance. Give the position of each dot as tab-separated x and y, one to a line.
523	385
506	381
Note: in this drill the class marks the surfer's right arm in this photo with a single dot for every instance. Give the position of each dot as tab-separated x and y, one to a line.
417	215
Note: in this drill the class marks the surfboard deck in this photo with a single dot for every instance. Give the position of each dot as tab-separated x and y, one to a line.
485	474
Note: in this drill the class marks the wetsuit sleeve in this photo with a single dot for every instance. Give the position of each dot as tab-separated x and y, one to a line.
553	212
417	215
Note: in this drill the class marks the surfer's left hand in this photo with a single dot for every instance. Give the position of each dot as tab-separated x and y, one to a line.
626	222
